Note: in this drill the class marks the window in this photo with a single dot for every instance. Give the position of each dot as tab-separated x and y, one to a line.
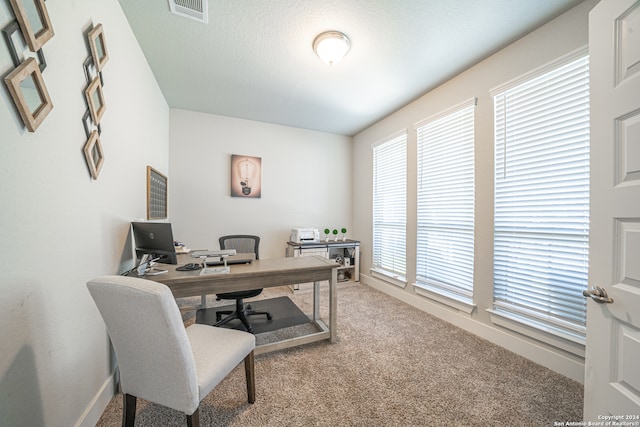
390	206
541	231
446	203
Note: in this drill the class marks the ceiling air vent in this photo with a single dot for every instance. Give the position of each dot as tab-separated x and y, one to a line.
194	9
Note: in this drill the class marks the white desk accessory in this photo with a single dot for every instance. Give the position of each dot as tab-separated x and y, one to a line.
210	254
146	267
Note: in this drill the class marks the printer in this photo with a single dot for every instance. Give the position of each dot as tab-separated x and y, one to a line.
304	235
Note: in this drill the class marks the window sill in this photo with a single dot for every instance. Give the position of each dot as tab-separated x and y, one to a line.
541	332
394	279
452	300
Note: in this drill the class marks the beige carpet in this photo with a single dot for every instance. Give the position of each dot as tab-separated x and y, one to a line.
393	365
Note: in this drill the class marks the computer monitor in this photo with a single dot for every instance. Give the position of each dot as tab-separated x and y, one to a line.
155	239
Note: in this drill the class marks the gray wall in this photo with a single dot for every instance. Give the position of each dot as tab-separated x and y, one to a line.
60	228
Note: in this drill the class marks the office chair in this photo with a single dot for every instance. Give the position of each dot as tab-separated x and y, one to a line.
242	244
159	360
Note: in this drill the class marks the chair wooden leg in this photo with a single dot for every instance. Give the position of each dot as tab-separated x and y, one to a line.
193	420
249	369
128	410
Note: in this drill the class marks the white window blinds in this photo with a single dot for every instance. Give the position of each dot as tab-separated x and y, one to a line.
390	205
541	235
445	202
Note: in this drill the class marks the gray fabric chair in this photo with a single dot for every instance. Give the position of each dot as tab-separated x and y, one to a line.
159	359
243	244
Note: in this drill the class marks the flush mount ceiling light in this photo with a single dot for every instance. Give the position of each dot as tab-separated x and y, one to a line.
331	46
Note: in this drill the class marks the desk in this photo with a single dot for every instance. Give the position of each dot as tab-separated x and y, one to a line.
345	252
263	273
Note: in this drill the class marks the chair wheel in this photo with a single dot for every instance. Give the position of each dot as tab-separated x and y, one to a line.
269	317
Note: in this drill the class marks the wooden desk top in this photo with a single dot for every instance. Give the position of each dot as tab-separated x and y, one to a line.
331	242
261	273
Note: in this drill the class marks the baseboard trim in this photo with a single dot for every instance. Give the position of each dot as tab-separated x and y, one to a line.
570	367
99	403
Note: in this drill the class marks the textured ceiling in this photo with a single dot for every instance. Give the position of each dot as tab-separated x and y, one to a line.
254	60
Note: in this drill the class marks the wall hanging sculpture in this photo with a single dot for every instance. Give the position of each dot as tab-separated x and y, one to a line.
25	38
94	96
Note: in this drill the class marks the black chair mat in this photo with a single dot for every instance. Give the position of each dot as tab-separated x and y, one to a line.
285	314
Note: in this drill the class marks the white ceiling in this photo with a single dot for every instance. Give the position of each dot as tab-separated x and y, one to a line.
254	60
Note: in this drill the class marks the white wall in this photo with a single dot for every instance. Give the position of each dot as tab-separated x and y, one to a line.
306	181
559	37
61	228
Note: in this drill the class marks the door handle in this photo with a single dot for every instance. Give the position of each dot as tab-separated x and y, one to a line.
598	294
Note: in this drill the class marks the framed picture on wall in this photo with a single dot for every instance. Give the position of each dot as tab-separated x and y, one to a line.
34	21
98	47
156	194
246	176
93	154
95	100
29	93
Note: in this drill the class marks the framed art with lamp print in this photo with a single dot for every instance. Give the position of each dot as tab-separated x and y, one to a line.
246	176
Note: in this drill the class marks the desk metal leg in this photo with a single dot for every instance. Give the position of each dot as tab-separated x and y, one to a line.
316	301
326	331
333	305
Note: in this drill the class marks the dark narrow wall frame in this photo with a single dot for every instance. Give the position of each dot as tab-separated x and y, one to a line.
156	194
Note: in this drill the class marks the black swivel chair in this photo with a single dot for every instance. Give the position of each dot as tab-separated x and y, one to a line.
242	244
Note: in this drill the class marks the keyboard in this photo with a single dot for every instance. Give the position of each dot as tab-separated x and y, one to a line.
213	262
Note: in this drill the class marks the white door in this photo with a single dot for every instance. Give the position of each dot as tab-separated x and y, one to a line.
612	371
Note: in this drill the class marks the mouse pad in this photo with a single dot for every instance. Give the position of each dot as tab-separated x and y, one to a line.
285	313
